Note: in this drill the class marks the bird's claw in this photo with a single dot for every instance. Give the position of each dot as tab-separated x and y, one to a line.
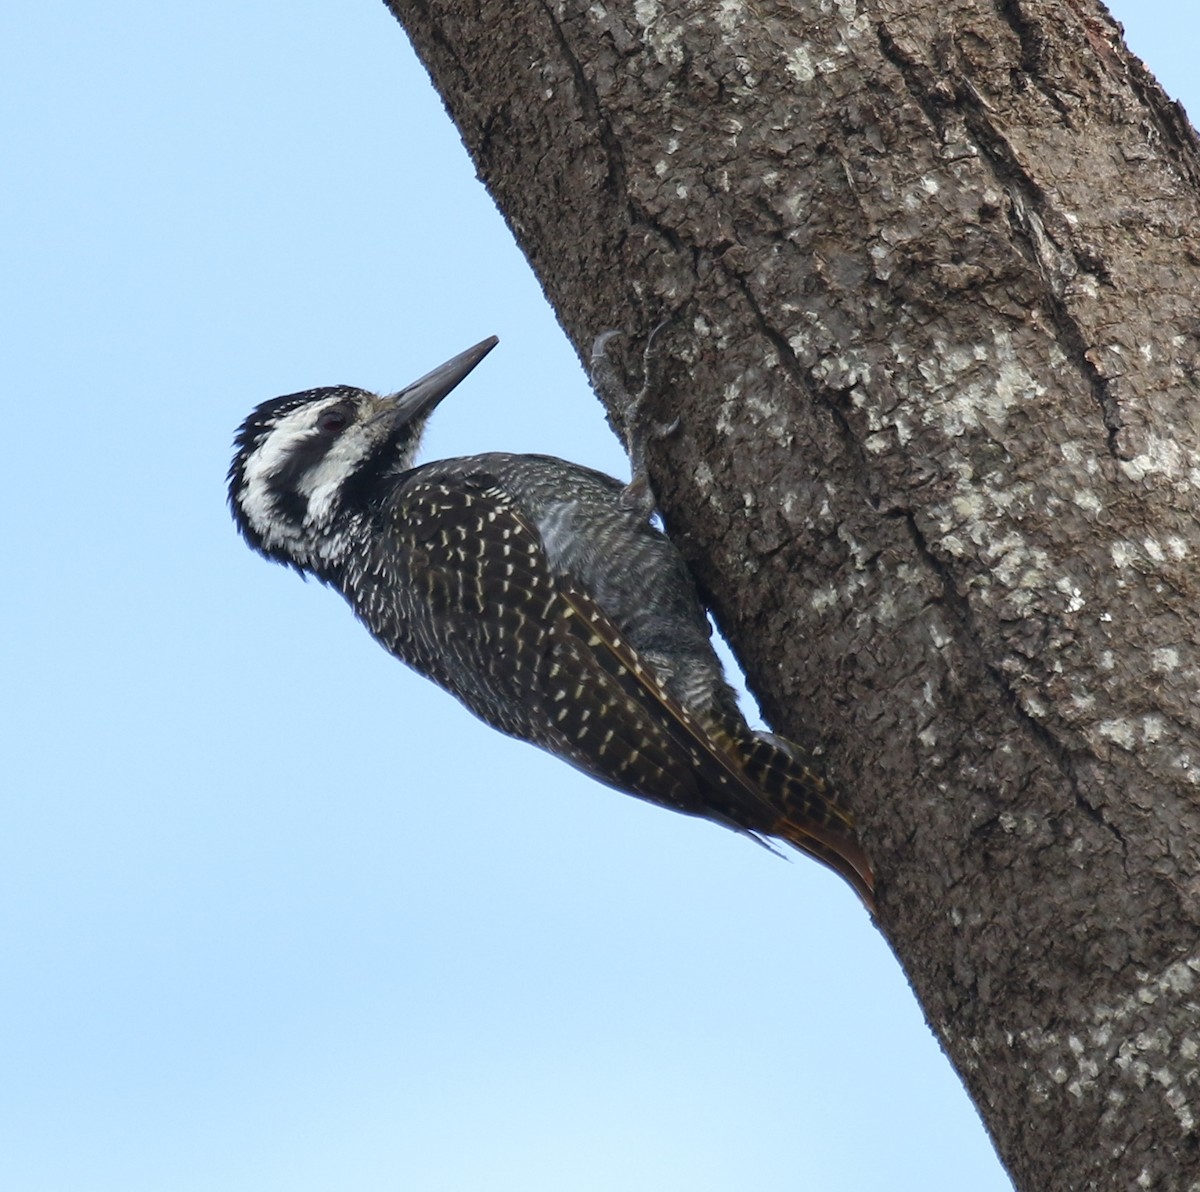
601	342
638	494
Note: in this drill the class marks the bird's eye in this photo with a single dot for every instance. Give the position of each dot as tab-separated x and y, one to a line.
332	421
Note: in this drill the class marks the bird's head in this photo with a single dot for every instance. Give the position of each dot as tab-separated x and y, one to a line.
307	464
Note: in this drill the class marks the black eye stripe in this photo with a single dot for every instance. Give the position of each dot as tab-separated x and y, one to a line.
305	455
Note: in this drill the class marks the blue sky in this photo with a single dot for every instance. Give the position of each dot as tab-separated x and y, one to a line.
276	913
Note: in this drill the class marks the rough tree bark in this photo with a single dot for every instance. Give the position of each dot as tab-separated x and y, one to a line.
938	268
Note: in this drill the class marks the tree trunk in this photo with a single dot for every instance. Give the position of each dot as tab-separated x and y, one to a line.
936	267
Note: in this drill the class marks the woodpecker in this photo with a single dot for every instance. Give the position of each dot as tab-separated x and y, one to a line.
529	589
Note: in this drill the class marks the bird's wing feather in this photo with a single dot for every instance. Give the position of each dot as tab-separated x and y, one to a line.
767	784
529	651
536	656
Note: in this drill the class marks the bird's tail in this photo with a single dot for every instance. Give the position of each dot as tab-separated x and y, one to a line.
708	764
810	816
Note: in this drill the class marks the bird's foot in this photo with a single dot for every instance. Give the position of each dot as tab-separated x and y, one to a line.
638	495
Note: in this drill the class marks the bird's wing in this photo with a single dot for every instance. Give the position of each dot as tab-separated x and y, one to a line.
477	589
533	654
750	781
526	649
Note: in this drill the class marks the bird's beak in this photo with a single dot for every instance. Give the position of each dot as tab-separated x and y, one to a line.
418	399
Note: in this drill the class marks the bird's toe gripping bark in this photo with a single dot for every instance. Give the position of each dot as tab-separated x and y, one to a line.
638	496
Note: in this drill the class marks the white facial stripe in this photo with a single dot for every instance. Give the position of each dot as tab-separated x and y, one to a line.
278	444
319	485
255	496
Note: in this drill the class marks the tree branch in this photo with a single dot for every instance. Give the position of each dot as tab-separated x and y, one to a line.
936	373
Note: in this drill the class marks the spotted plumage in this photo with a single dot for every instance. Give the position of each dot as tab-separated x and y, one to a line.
526	587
